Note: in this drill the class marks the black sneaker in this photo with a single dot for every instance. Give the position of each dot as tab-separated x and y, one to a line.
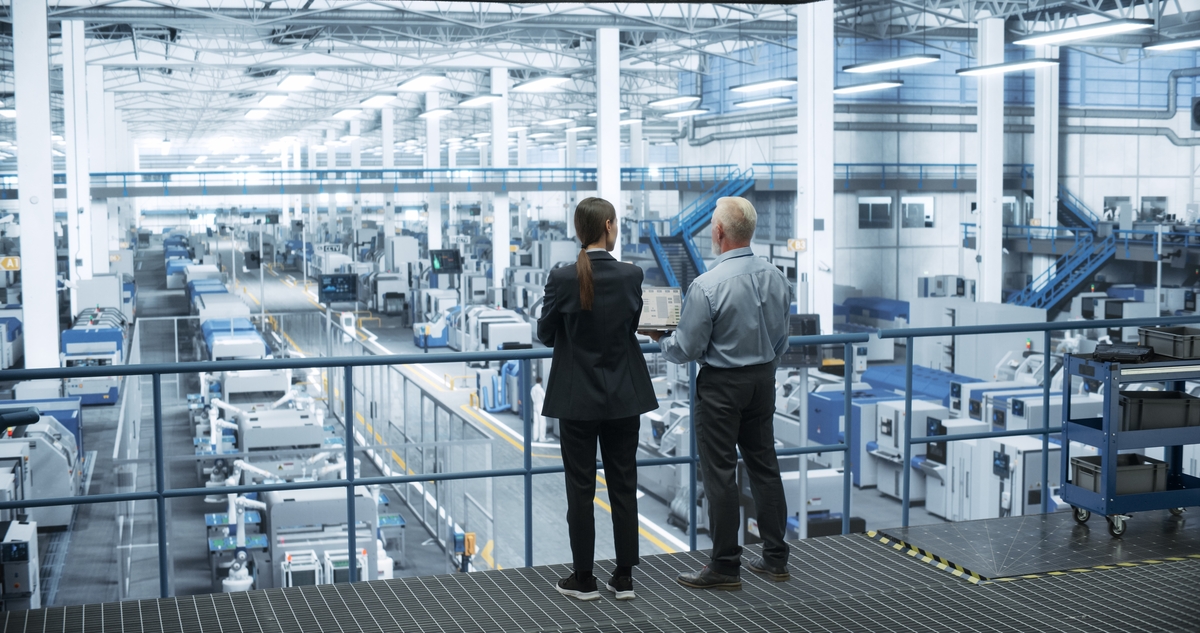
622	586
580	590
757	565
708	579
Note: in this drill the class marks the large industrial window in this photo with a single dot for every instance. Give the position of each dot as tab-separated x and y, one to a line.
874	213
916	212
1154	209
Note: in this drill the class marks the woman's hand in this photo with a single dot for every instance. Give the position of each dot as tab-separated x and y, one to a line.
654	335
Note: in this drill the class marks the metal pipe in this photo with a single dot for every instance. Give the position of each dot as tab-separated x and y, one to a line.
848	458
527	419
906	471
160	486
351	520
693	459
1048	359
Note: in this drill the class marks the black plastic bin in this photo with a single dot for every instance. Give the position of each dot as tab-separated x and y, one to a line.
1145	410
1176	342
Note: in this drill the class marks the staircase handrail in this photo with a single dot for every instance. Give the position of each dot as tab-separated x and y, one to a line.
1078	207
684	215
1063	264
1096	257
659	255
694	255
700	211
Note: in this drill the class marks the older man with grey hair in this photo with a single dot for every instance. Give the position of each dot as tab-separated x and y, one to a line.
735	324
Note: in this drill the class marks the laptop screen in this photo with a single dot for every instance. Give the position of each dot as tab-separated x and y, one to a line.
661	307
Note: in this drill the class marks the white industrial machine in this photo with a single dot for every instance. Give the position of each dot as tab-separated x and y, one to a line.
220	306
891	429
946	286
966	398
54	468
1127	310
19	562
326	262
1025	412
995	404
17	475
12	342
312	523
975	355
479	328
938	473
1026	366
96	340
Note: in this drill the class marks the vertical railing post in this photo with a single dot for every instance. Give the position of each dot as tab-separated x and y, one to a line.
692	454
904	466
848	459
351	520
527	419
1046	421
160	486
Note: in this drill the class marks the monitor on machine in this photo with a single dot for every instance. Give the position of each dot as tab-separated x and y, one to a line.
445	262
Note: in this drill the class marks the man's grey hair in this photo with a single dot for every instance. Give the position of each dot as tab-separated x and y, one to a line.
737	216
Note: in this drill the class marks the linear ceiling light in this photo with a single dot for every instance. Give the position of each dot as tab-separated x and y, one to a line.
759	86
1172	45
557	122
478	101
200	159
272	101
580	128
621	111
541	134
481	134
296	81
671	102
629	121
1102	29
435	113
348	113
685	113
758	103
256	114
8	113
867	87
891	64
518	128
541	84
420	83
1009	67
378	101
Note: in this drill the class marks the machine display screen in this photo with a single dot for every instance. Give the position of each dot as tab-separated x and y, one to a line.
998	418
15	553
955	390
445	262
975	409
1018	407
337	288
935	451
1000	464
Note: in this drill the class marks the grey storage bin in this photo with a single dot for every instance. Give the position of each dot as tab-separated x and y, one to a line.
1136	474
1144	410
1175	342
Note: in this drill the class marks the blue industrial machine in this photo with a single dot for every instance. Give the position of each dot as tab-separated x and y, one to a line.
202	287
233	339
931	384
825	412
877	311
96	340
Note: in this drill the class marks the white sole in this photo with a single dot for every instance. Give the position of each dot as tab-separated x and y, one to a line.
578	595
620	595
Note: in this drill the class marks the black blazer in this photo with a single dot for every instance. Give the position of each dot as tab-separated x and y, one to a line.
598	371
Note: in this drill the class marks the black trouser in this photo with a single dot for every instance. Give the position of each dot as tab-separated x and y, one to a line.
618	449
736	407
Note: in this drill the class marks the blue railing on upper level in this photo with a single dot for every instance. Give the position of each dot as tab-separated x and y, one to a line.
1076	207
884	172
734	182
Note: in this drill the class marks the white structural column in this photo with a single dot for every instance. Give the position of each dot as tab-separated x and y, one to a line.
311	199
31	61
637	158
501	223
1045	149
356	198
284	215
608	121
387	138
571	155
814	170
452	199
523	207
98	162
297	203
75	128
433	160
989	178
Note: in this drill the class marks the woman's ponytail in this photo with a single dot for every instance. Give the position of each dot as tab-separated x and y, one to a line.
591	224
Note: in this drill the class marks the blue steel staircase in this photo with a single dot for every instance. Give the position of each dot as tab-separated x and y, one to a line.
676	252
1074	268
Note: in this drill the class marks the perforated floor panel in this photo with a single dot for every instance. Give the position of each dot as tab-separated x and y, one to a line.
843	583
1038	544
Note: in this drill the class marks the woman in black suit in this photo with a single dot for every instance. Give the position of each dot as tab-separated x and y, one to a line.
598	388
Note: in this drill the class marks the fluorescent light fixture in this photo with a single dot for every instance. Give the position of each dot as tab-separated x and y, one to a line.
239	159
580	128
519	128
348	113
666	144
378	101
1009	67
557	122
629	121
1160	45
541	84
478	101
759	86
255	115
481	134
57	153
1101	29
867	87
200	159
758	103
435	113
349	138
272	101
296	81
57	138
621	111
685	113
882	65
457	139
8	113
319	148
541	134
671	102
420	83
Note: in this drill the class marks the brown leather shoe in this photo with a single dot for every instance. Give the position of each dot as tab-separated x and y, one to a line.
708	579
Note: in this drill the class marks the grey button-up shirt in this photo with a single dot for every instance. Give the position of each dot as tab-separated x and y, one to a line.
735	315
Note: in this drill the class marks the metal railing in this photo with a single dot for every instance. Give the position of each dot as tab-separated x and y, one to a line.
884	172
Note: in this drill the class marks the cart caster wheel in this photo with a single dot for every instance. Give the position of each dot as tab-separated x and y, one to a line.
1082	515
1116	526
1176	511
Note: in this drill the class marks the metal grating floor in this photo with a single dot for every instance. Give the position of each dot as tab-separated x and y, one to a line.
1038	544
843	583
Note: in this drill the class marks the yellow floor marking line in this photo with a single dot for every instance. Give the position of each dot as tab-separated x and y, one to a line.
495	429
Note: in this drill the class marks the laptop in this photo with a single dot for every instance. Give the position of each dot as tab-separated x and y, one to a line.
661	308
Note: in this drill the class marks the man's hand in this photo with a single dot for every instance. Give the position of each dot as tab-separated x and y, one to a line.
654	335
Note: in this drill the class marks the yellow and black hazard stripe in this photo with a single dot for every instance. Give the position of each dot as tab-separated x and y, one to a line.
974	578
927	557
